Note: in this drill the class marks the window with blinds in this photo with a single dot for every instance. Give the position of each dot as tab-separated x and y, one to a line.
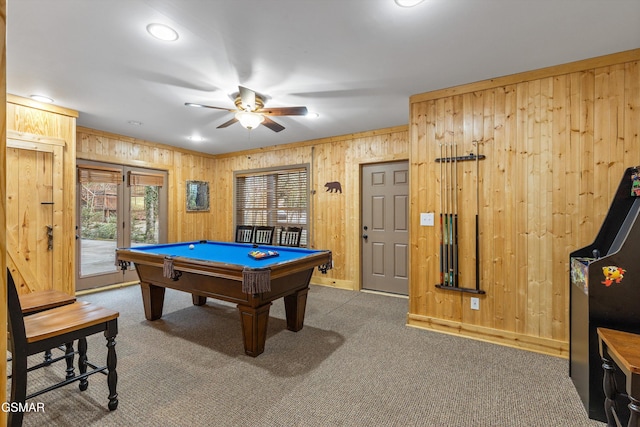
278	198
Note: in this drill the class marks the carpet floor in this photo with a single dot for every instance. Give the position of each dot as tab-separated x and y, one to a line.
354	363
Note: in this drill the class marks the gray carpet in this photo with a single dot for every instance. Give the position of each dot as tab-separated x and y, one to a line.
355	363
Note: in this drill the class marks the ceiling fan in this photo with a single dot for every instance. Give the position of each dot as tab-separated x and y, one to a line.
250	111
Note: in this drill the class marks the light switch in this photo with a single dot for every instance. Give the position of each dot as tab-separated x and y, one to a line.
426	219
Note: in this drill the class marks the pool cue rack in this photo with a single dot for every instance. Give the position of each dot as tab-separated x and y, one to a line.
471	156
449	257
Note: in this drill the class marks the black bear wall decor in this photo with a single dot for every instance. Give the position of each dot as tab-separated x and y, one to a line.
333	187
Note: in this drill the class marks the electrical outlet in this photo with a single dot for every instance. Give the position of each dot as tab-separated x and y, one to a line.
475	303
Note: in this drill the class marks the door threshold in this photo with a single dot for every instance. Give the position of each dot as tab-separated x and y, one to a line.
389	294
106	288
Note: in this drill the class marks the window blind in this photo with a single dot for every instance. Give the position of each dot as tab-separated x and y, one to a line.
145	178
278	198
99	174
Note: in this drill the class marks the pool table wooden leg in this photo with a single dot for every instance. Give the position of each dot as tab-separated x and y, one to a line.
294	306
153	300
254	328
198	299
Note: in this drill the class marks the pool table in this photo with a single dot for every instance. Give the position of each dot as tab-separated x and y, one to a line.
227	272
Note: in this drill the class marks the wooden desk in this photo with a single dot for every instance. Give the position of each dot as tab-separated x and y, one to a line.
622	350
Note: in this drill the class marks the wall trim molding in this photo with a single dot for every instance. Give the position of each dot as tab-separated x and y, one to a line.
556	70
27	102
313	142
496	336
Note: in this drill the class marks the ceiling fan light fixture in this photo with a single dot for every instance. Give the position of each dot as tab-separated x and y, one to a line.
408	3
162	32
249	120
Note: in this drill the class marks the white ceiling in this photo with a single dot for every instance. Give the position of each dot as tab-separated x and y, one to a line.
354	62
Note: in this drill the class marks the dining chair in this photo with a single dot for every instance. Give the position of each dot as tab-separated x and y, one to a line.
263	235
290	236
244	234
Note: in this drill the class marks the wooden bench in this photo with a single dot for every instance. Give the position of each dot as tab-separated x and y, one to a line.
51	328
620	350
43	300
37	301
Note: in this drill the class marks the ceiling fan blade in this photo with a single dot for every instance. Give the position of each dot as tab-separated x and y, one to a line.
191	104
248	98
227	123
276	127
285	111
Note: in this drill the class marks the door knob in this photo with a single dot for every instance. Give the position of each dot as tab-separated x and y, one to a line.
365	237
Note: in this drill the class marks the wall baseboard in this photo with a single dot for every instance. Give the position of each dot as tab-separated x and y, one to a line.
510	339
334	283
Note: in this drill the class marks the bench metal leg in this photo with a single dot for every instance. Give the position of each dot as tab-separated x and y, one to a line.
82	363
18	385
69	355
112	360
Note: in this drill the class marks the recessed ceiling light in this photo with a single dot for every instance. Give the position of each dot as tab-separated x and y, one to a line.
162	32
196	138
134	123
408	3
42	98
312	115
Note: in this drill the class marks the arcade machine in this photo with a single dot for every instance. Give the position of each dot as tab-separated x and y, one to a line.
605	292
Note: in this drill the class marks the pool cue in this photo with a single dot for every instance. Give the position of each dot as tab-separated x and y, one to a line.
446	214
441	224
450	215
445	248
477	216
454	236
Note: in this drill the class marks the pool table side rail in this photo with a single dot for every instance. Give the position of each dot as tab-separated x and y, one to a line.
224	270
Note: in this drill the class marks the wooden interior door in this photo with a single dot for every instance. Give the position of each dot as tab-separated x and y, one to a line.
34	212
385	231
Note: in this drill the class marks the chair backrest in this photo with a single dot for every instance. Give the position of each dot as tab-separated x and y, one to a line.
244	234
290	236
263	235
15	318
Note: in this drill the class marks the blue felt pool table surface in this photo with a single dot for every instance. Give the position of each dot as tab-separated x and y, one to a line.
227	253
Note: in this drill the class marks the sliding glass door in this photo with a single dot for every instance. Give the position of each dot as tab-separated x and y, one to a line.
118	206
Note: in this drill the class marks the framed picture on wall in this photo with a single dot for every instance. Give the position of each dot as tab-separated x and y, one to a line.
197	196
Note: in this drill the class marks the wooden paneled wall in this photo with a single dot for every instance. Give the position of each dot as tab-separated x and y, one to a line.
335	218
33	120
557	141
